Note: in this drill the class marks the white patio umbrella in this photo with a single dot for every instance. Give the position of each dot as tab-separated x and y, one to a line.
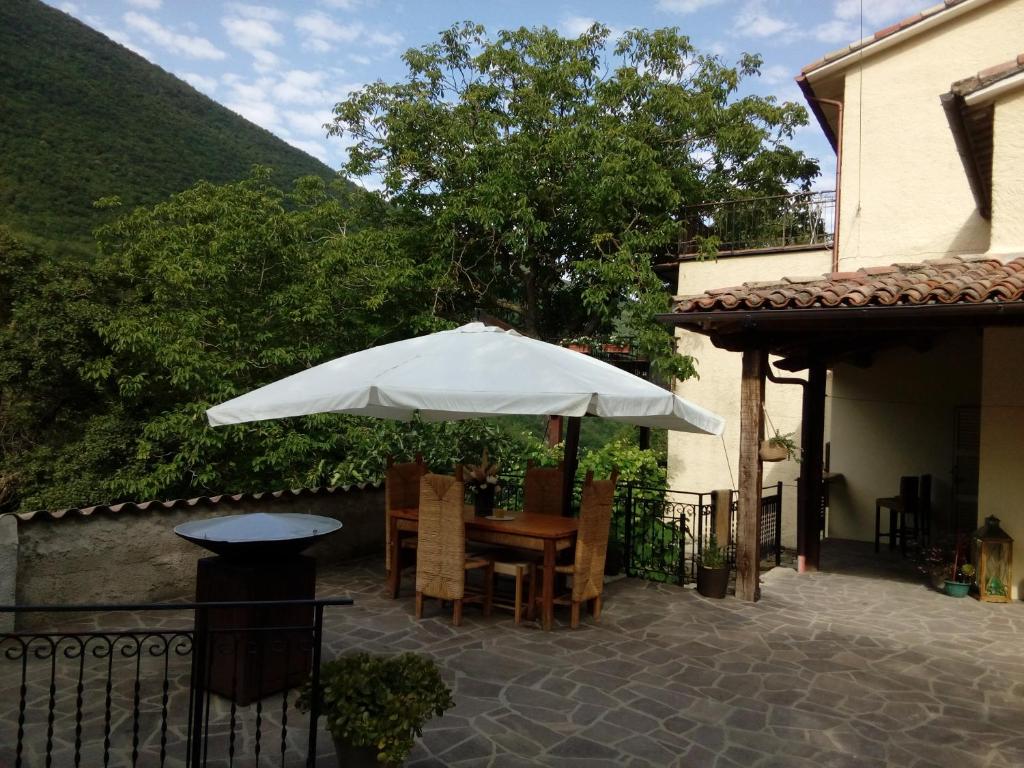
469	372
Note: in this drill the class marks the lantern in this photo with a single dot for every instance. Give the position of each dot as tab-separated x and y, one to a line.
993	552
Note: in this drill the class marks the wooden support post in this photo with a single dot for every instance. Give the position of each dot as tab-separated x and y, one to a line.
554	430
572	449
748	517
812	446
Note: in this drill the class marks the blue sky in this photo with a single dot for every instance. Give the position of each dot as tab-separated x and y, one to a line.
283	65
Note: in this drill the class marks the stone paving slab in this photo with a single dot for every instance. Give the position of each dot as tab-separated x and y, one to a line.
859	666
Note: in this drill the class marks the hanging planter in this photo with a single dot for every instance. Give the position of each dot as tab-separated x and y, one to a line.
773	452
779	447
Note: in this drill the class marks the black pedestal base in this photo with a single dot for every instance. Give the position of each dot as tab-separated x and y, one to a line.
253	652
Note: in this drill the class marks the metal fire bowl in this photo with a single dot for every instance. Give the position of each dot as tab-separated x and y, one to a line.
259	534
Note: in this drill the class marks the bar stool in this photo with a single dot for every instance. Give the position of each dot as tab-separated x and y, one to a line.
900	508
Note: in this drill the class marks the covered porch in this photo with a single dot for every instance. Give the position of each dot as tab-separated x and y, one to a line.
914	368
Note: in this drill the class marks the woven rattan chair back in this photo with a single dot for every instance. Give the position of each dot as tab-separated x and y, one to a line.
401	491
542	490
441	551
592	537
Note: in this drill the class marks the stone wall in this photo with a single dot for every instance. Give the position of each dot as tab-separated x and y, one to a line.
129	553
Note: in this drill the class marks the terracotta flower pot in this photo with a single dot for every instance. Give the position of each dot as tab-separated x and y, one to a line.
713	582
583	348
773	451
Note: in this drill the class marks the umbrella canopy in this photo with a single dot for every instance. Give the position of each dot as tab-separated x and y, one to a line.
468	372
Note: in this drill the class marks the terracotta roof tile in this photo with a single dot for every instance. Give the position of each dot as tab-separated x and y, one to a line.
988	76
959	279
156	506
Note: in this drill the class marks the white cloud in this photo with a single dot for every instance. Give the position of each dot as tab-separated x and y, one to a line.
358	58
265	61
774	74
323	33
845	26
299	86
186	45
149	5
251	34
69	8
575	25
309	123
685	6
262	12
201	82
755	20
261	112
344	5
314	148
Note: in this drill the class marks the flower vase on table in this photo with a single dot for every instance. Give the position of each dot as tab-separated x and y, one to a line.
483	479
485	500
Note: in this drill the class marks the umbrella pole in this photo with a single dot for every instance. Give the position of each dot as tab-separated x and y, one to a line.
571	462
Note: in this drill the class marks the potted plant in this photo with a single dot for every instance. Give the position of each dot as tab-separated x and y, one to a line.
579	344
376	706
482	478
779	447
713	574
961	573
933	562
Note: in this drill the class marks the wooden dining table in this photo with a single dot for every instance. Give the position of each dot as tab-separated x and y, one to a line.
548	534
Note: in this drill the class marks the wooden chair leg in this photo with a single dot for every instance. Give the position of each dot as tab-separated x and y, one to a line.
595	608
575	620
488	589
531	601
519	594
878	526
419	605
457	613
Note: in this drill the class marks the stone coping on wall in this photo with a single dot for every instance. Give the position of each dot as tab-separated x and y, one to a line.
210	501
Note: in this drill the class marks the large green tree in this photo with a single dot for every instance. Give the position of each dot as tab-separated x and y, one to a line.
547	173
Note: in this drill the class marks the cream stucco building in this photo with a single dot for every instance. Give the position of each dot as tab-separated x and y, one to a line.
928	118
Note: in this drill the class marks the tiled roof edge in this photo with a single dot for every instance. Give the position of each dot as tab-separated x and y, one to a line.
210	501
988	76
881	34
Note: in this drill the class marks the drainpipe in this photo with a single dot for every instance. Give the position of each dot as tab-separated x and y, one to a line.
839	171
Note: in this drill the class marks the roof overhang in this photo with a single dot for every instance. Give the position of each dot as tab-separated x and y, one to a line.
840	334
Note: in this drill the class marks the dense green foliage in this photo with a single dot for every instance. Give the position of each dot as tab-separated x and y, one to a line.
380	701
84	118
548	172
521	176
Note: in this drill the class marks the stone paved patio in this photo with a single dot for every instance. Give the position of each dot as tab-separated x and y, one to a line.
858	666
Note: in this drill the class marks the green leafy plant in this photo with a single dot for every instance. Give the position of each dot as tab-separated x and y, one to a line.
713	555
996	586
785	441
380	701
966	573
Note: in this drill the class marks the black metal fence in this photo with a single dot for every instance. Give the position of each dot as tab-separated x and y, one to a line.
778	221
194	684
661	535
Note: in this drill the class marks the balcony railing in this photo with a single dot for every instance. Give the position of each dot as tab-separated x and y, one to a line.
779	222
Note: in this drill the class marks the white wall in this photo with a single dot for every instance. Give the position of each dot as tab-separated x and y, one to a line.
897	418
905	195
1001	480
1008	176
701	463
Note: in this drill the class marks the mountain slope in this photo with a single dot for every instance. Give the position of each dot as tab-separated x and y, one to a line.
82	117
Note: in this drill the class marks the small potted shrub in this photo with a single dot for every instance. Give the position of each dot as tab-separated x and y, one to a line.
376	706
779	447
960	583
713	574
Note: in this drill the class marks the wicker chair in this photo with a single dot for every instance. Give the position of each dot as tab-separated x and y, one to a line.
587	569
402	491
542	490
441	561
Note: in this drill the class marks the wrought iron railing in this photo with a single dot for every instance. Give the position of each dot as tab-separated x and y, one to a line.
759	223
662	534
142	691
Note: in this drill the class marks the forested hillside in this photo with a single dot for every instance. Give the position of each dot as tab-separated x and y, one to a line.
82	117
